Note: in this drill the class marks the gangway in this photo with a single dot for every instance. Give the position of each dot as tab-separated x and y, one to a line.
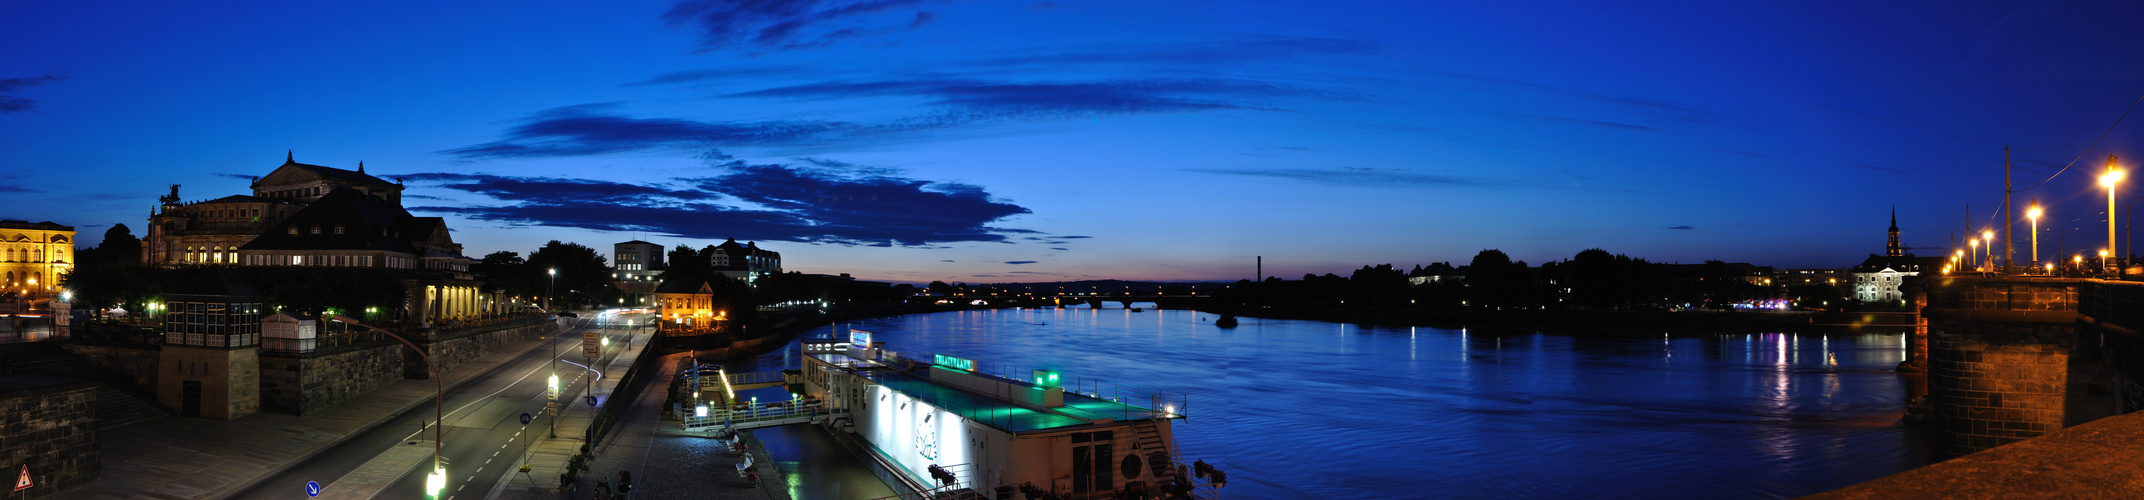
754	416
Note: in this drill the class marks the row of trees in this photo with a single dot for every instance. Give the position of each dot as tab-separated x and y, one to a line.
1592	279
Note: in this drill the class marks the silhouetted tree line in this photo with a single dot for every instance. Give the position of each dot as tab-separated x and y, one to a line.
1592	279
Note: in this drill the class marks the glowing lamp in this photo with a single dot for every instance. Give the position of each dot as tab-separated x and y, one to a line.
1047	379
436	482
2113	176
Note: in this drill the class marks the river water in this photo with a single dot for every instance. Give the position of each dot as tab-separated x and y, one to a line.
1304	409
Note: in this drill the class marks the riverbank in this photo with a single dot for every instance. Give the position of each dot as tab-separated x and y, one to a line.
787	326
1589	323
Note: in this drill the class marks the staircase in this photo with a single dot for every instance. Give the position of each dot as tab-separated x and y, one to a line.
118	403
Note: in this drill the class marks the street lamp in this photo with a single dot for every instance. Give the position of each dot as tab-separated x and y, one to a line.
2108	180
1974	246
1987	244
2034	214
550	290
2103	260
438	480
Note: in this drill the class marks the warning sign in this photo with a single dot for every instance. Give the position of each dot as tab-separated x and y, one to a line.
23	483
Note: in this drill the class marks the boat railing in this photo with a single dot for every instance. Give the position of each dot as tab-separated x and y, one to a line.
1133	398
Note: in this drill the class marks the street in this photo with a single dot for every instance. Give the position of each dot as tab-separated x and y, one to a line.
483	436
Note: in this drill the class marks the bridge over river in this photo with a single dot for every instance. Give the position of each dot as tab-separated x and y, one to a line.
2034	384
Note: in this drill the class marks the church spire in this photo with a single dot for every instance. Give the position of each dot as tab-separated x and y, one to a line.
1894	215
289	156
1894	249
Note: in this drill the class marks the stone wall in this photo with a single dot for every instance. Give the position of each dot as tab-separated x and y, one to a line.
461	347
1990	394
50	427
303	384
137	365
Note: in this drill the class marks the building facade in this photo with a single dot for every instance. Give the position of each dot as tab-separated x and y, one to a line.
746	262
211	231
636	269
33	257
1878	278
303	215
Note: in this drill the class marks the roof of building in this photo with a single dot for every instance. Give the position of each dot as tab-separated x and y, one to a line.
636	242
241	198
368	223
23	224
290	161
680	285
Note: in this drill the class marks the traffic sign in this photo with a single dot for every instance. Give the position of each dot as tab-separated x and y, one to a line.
590	346
591	401
525	418
312	488
23	483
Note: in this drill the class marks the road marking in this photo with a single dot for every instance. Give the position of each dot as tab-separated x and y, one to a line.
471	478
507	440
478	469
497	453
464	485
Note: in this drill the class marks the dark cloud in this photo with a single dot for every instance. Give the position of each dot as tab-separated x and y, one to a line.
1106	58
242	177
1661	108
1681	228
773	25
1073	237
1061	249
9	188
1018	262
1357	177
782	203
1880	168
975	99
1583	121
1743	153
9	103
591	129
945	261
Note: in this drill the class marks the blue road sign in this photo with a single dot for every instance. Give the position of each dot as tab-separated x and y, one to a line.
591	401
312	488
525	418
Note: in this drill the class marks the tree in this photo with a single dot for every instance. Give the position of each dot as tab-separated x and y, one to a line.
1494	280
1380	285
509	272
580	271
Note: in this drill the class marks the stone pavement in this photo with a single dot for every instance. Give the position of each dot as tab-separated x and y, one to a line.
666	461
174	457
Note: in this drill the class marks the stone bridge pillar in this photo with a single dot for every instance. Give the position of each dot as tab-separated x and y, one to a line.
2003	357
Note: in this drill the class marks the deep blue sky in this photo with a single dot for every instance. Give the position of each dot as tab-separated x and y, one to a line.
1024	141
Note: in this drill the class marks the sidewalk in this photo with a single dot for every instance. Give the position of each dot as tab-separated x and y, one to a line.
666	461
178	457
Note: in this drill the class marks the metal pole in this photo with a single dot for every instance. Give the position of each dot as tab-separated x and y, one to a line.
2009	252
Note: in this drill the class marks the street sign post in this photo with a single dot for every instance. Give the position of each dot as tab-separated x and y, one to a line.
23	482
591	401
525	418
312	488
591	346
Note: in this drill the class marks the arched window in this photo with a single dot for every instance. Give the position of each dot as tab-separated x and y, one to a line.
232	253
38	255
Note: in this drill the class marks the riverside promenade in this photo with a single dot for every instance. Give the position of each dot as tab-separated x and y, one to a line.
175	457
666	461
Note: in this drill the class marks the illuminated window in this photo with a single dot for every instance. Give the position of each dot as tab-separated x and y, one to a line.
338	229
293	230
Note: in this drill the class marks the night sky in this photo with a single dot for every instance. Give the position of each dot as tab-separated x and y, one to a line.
1023	141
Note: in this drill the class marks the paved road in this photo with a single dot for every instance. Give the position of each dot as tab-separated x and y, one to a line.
483	435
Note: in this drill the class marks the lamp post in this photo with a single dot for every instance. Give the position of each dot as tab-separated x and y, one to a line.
2109	179
438	479
2034	214
550	290
1987	244
1973	248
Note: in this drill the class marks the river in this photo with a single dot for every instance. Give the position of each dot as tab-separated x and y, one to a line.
1304	409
